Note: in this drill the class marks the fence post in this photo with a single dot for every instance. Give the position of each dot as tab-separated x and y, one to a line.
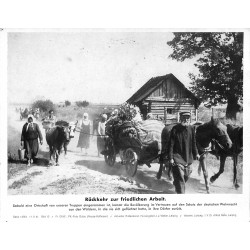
196	115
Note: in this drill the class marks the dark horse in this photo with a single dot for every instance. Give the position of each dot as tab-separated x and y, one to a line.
213	130
236	135
207	135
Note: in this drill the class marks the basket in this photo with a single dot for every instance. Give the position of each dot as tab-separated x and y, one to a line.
21	153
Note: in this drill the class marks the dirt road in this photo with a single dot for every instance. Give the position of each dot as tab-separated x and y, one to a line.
88	174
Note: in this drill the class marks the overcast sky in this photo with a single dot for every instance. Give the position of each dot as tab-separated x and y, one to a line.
93	66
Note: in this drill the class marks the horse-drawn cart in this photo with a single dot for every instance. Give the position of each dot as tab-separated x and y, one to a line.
136	144
24	114
143	142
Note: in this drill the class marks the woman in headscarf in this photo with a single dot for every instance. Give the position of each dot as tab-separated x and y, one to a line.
29	139
84	136
101	134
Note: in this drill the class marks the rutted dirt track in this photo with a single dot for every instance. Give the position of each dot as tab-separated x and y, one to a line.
88	174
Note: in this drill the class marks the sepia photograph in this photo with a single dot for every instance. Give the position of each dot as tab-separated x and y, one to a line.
100	112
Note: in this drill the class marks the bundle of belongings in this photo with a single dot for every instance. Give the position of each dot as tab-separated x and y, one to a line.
143	136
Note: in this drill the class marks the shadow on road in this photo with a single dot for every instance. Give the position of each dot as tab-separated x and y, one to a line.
16	166
194	185
102	167
42	158
144	179
148	177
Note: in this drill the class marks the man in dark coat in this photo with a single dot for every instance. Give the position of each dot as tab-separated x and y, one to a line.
182	151
29	139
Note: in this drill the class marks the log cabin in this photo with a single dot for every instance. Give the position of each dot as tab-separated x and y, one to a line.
165	97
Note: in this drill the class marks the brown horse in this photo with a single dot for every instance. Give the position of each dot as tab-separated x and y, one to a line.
213	130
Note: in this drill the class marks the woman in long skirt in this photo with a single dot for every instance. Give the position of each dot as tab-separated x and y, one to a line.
29	139
84	137
101	134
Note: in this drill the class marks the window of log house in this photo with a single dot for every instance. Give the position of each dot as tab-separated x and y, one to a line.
169	111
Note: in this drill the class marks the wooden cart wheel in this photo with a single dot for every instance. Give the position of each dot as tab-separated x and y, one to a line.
131	162
111	156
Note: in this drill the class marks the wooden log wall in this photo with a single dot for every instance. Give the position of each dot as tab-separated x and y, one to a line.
160	109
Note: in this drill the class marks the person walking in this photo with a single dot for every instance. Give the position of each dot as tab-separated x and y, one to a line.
29	139
49	121
182	151
84	137
52	118
101	134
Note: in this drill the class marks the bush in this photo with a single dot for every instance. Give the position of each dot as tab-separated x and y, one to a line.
82	104
44	106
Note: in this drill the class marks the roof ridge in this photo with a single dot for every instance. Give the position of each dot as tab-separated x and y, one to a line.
153	83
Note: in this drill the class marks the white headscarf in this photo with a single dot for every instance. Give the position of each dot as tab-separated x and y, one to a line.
30	123
137	117
30	116
85	119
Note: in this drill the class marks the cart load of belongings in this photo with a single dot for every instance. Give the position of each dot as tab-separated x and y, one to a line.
144	136
24	113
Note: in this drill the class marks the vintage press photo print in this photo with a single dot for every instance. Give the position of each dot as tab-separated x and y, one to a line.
120	123
96	112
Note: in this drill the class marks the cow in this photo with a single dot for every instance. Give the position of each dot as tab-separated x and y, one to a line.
57	137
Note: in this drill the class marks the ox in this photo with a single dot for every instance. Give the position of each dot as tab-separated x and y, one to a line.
72	128
57	137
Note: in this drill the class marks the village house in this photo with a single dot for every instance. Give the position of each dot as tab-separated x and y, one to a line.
165	97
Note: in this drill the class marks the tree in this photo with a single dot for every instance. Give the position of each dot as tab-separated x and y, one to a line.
219	61
67	103
44	106
82	104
